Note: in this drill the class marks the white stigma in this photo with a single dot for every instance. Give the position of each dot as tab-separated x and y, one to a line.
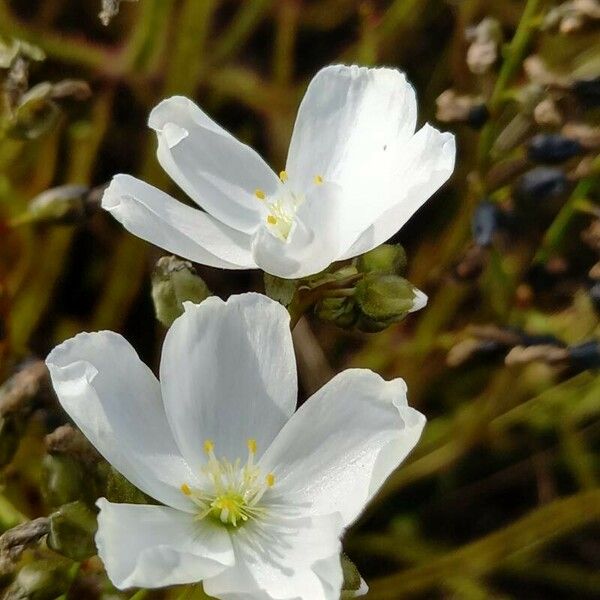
234	491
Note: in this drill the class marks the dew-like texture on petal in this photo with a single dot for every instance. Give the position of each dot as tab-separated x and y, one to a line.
114	398
352	129
290	559
427	165
156	546
217	171
342	444
314	242
228	374
160	219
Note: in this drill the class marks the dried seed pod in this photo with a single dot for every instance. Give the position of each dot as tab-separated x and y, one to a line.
551	354
485	222
454	108
552	148
485	39
473	348
16	540
587	135
71	88
585	356
541	183
62	205
547	113
110	8
538	72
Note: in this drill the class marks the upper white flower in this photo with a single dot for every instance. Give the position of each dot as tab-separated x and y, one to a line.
256	497
356	172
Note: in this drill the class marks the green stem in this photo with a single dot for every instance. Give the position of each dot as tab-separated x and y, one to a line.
245	22
140	595
514	54
480	557
558	230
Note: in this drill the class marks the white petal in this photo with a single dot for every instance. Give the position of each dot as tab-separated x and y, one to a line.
160	219
420	301
314	243
428	164
352	129
217	171
340	446
228	374
292	559
115	400
156	546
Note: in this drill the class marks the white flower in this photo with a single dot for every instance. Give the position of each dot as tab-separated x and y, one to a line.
356	172
255	496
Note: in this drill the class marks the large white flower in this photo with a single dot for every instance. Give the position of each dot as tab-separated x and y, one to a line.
356	172
255	496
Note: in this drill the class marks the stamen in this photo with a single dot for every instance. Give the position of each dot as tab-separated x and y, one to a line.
272	220
260	194
283	176
233	490
318	179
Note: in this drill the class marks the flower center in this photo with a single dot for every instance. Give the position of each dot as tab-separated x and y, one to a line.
233	491
282	209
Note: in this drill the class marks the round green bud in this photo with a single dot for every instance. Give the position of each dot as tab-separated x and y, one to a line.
383	297
340	311
174	281
72	530
385	259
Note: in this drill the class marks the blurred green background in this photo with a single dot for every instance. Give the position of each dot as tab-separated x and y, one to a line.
500	499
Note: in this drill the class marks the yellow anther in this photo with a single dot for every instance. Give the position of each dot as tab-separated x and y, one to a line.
260	194
185	488
209	446
272	220
318	179
283	176
270	478
252	446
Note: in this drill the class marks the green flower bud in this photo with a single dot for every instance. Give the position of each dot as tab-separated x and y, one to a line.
388	259
64	480
121	491
281	290
331	278
72	530
353	584
384	296
175	281
340	311
384	300
42	580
